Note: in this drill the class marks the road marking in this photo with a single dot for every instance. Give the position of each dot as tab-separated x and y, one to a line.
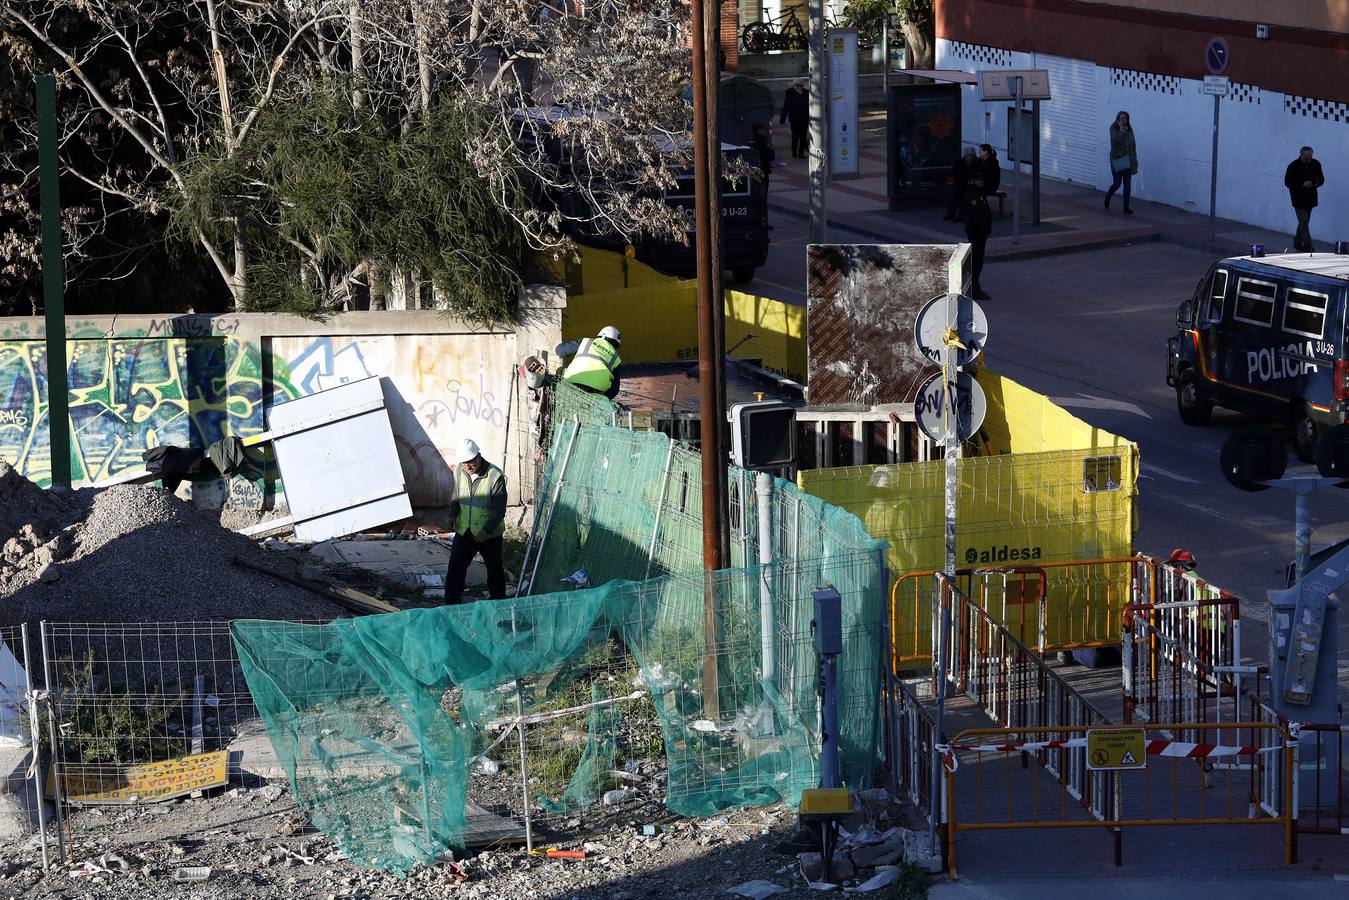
1089	401
1167	473
1256	523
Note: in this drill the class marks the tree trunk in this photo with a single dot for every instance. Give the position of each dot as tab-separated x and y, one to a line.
357	54
920	43
240	266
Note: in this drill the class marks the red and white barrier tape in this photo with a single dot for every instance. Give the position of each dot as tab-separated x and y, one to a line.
1154	748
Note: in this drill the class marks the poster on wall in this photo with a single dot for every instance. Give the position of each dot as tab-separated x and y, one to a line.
924	141
843	148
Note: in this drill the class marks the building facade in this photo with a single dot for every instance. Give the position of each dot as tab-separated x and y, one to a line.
1288	62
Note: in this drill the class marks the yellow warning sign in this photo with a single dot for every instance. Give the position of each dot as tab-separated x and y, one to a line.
141	784
1116	748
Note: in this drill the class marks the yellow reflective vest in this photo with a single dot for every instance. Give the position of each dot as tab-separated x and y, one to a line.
593	365
479	504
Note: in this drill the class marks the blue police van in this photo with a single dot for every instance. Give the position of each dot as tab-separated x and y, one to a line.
1265	336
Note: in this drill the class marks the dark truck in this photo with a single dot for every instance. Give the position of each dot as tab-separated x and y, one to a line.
744	210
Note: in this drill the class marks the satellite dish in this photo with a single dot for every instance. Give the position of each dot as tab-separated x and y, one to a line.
1332	454
1253	456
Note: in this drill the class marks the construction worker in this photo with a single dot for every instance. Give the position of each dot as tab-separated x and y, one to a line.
478	515
1211	615
595	362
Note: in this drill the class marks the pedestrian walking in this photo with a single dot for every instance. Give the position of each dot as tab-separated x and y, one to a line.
1302	178
1123	159
763	145
978	226
960	175
796	111
595	362
478	514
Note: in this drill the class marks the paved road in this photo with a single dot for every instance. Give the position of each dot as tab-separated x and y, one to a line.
1087	330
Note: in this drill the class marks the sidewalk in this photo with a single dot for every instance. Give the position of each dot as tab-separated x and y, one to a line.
1073	218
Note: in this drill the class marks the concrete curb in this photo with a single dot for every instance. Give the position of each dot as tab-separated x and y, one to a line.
1001	255
1080	247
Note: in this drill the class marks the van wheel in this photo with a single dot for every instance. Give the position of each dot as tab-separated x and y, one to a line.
1306	433
742	274
1194	407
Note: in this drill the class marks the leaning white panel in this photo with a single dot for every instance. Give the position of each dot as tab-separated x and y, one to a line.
338	462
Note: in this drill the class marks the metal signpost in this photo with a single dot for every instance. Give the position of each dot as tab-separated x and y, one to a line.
1018	85
1216	57
53	282
949	408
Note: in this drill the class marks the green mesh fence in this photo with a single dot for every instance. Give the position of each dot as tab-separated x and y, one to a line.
572	404
387	726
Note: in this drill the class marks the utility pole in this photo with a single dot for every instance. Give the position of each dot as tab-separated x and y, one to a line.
705	15
53	282
819	150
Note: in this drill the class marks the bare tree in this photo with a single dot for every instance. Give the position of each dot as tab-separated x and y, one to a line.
151	87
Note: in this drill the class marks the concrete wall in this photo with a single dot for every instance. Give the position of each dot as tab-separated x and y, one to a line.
141	381
1260	133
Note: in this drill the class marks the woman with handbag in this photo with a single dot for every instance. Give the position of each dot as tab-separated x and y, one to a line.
1123	159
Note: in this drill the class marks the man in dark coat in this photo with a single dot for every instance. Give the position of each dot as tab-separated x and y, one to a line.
960	175
796	110
978	226
763	145
1302	178
990	173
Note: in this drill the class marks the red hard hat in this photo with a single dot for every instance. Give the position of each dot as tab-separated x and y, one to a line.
1182	557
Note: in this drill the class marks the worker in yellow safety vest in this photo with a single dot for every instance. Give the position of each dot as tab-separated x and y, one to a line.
595	362
478	516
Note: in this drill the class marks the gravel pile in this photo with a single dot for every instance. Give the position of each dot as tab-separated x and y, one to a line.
131	553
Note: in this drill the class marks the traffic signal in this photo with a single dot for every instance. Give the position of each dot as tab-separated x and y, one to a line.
1253	456
763	435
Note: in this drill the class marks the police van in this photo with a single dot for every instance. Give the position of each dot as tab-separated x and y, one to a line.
744	207
1265	336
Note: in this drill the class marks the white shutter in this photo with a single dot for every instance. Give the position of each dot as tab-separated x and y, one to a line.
1071	132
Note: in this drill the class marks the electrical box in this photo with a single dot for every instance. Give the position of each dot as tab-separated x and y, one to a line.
763	435
828	623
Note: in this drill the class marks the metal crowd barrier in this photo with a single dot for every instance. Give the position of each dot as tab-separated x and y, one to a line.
1182	662
1049	605
986	791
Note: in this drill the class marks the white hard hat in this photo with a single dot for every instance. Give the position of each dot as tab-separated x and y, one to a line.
610	332
467	451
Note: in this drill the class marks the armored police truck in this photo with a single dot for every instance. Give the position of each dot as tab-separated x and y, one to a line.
744	208
1265	336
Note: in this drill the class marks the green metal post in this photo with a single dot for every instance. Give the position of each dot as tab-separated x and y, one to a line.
53	282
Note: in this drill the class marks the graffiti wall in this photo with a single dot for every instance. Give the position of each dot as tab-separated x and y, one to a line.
440	390
190	380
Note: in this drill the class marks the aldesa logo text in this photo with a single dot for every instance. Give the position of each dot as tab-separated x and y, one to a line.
1001	554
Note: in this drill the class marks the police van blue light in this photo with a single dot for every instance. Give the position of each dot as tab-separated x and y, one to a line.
1265	336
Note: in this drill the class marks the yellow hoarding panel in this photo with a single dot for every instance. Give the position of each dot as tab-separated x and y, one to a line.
1015	510
659	324
144	783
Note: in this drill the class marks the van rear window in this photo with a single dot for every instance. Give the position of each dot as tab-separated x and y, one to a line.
1305	313
1255	301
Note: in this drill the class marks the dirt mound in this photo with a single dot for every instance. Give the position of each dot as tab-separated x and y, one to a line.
132	553
27	512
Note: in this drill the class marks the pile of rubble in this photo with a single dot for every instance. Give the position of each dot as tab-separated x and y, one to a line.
131	553
254	842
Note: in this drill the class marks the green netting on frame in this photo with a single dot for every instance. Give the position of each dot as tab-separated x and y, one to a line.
572	404
379	721
388	725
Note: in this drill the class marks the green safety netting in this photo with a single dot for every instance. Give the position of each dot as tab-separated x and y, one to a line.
386	724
